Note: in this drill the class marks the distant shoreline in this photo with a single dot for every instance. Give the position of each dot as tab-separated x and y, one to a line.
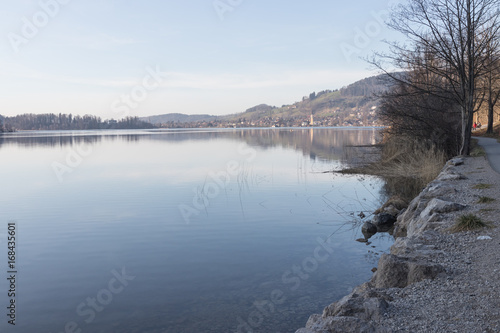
195	128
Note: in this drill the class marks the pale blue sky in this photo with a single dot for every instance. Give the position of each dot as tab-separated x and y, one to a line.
96	56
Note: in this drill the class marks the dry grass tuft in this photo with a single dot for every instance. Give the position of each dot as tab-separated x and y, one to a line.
476	149
404	157
468	222
482	186
483	200
407	165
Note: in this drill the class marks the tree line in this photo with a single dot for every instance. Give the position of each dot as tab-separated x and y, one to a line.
50	121
446	71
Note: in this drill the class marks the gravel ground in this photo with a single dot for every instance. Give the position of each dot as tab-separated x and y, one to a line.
466	298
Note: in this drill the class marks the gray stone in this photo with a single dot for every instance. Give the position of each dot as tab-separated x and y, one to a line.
404	220
421	213
451	176
419	271
315	323
363	302
392	272
392	210
394	206
384	221
368	229
440	190
374	308
399	272
456	161
338	325
413	247
440	206
305	330
350	305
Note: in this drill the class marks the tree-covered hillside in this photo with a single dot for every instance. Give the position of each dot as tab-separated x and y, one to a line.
50	121
354	104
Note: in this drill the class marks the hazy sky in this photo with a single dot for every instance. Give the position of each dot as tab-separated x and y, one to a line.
114	58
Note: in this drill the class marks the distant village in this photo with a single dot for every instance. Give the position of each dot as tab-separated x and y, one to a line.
351	119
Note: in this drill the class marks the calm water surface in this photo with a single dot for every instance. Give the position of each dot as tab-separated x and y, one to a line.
182	230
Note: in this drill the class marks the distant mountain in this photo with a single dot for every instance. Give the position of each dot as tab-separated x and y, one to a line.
354	104
261	108
178	118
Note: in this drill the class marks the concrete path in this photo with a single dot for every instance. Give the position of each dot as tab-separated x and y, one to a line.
492	148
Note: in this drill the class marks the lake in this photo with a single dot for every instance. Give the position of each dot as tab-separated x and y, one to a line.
229	230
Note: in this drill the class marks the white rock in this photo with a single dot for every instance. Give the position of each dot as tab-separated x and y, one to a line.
484	238
456	161
450	176
439	206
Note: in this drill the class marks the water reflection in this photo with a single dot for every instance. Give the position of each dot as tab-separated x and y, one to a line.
120	206
318	143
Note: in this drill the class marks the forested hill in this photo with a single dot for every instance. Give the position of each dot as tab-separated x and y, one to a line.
366	87
52	121
352	105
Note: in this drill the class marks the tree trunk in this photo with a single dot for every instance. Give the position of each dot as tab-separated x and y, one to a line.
467	120
490	117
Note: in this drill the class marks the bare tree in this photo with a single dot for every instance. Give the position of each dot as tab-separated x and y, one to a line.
492	83
427	115
457	35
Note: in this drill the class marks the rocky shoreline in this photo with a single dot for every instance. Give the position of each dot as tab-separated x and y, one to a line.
433	280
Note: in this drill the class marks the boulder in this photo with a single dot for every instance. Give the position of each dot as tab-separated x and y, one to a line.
374	308
305	330
449	176
363	302
440	190
414	247
393	206
404	220
368	229
441	207
317	324
456	161
384	221
421	213
399	272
